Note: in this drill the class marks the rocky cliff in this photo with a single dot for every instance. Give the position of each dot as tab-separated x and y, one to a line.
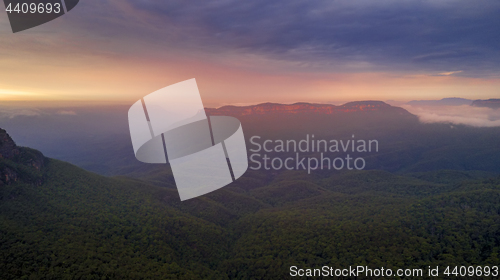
19	164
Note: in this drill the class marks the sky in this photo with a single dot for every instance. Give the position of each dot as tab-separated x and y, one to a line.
248	52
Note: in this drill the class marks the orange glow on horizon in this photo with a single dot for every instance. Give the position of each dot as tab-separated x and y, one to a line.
126	80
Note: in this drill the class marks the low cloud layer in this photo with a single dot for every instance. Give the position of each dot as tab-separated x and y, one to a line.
465	115
12	112
67	112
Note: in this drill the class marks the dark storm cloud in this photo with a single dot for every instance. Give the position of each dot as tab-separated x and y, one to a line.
401	35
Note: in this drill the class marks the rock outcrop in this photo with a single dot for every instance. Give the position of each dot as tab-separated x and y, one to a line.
19	163
8	148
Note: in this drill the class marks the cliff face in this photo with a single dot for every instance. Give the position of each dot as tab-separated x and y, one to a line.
490	103
8	148
303	108
19	163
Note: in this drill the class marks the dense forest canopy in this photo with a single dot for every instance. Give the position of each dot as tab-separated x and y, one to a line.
78	225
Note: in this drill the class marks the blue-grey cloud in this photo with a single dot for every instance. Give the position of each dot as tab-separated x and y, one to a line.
408	35
420	36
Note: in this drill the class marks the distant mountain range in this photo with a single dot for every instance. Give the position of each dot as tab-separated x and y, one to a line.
454	101
490	103
351	107
305	108
98	139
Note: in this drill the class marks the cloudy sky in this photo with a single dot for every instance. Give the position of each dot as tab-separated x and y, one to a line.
245	52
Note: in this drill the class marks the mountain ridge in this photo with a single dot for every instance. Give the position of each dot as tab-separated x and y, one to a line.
304	108
457	101
450	101
489	103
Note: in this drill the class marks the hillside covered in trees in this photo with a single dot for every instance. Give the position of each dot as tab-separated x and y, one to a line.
58	221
